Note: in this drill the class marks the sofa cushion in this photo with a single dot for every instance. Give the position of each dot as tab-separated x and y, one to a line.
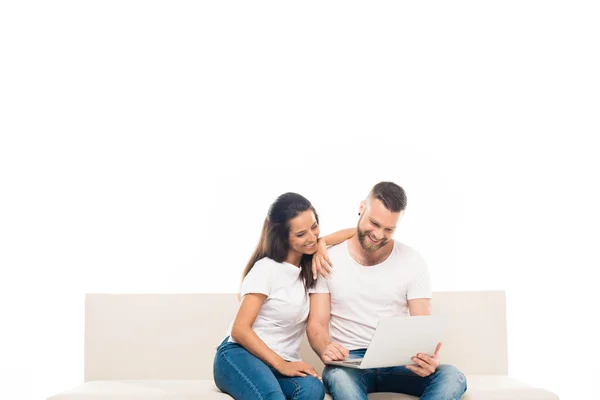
480	387
144	389
501	387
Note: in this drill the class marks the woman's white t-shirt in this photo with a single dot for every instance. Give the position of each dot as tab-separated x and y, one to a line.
281	321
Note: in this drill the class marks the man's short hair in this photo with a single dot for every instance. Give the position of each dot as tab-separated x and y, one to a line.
391	195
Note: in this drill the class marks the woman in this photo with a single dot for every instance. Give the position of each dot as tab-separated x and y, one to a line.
259	358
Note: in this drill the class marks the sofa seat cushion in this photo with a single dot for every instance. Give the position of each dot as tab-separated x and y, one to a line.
144	389
480	387
501	387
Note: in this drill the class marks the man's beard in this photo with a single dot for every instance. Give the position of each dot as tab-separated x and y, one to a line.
366	244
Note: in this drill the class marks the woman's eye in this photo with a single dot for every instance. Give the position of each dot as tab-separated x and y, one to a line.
300	235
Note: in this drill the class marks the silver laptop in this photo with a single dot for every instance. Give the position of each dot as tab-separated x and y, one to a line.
397	340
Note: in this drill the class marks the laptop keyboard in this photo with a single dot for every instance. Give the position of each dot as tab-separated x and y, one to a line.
353	360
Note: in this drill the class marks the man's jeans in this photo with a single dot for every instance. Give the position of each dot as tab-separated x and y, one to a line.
244	376
446	383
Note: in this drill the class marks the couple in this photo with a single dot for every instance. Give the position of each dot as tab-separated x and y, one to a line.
375	276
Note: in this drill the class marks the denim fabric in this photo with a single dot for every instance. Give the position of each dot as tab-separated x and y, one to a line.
244	376
446	383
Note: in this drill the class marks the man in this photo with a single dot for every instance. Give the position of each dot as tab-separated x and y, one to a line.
375	276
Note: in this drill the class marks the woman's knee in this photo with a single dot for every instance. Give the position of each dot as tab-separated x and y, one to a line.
311	388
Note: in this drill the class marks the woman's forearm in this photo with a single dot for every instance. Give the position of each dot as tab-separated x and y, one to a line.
339	236
246	337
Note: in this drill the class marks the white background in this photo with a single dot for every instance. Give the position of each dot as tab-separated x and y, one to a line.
142	143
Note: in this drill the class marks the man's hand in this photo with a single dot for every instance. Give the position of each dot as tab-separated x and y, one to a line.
296	368
334	352
425	365
320	261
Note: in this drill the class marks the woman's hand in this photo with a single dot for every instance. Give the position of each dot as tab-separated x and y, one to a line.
296	368
320	261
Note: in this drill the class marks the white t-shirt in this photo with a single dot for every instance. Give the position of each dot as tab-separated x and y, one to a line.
361	295
281	321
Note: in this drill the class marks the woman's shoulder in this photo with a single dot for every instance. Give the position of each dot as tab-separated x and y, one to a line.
265	264
262	269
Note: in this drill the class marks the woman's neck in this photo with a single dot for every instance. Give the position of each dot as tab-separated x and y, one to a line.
293	258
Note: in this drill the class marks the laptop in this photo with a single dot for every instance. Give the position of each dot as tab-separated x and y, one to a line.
397	340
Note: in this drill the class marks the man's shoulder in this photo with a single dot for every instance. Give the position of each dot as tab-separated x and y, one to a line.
339	250
406	253
405	250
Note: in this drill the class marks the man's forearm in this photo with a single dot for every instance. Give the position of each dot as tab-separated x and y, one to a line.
318	337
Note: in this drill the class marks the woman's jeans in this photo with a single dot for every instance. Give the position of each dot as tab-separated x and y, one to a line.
244	376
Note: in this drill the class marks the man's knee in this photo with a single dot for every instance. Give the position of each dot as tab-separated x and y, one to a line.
452	377
343	381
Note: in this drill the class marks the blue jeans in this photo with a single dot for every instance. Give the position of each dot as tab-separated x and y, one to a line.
244	376
446	383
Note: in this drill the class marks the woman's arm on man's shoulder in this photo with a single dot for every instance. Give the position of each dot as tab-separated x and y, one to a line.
338	237
321	262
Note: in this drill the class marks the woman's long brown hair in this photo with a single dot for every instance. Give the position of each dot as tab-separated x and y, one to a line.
274	237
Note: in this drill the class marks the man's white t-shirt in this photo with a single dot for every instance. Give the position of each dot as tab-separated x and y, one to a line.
361	295
281	321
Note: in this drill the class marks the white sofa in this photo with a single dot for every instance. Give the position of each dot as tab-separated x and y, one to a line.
151	346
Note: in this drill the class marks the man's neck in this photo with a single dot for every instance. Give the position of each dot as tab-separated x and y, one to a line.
368	258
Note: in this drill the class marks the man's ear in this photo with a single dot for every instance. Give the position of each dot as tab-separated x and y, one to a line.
361	209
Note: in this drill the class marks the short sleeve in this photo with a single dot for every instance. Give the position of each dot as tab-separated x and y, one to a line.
259	279
320	287
420	286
